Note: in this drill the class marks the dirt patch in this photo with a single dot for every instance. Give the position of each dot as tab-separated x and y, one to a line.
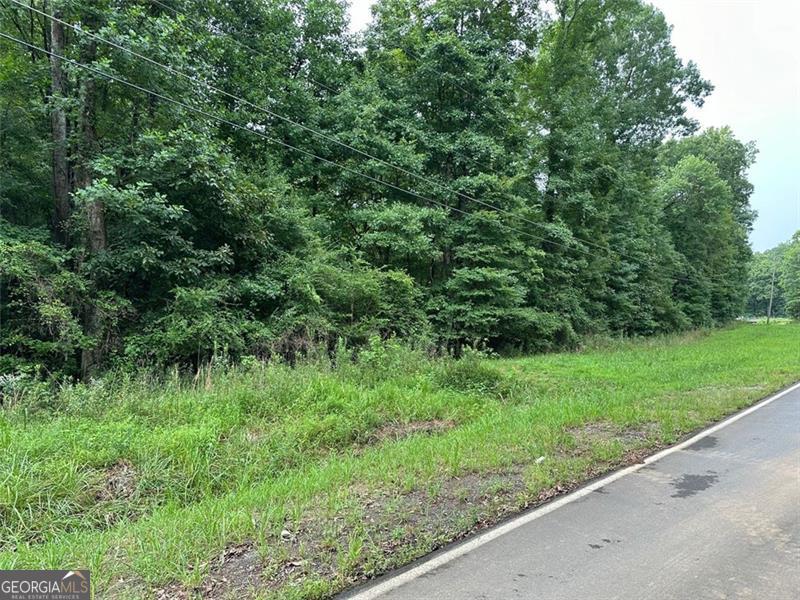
236	573
442	507
172	592
119	482
254	436
398	431
298	553
603	431
639	434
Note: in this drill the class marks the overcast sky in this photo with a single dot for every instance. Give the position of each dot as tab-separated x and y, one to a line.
750	51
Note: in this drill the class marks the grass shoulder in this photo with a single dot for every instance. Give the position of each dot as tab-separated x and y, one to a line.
271	481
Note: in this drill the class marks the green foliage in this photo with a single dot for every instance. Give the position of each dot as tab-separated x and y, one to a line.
605	90
790	276
765	278
531	177
359	301
41	294
732	159
472	374
697	207
199	323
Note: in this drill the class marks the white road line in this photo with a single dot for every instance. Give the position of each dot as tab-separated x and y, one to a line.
468	546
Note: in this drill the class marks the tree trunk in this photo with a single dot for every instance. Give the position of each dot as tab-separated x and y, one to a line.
92	356
58	125
96	210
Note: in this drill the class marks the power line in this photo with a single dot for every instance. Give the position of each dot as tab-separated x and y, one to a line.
237	41
251	130
330	138
323	135
608	251
285	144
333	139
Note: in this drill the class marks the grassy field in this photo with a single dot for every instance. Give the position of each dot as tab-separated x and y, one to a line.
296	483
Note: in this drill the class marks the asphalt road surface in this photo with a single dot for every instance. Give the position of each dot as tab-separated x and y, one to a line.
716	518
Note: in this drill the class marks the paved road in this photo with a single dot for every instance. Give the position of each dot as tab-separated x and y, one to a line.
717	519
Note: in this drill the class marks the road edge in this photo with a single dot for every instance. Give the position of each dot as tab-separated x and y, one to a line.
425	565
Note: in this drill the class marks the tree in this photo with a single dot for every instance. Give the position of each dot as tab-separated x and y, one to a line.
605	90
697	205
732	158
790	276
187	178
436	99
765	277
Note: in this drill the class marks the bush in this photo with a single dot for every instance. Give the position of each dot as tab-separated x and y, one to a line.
472	374
199	325
40	308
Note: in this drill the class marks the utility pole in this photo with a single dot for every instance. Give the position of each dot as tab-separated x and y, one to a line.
771	293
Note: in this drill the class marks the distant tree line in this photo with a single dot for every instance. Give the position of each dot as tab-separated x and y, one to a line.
185	178
775	274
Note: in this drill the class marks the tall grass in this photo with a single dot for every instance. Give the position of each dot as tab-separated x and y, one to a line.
150	476
188	438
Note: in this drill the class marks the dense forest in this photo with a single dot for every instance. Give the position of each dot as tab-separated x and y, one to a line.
183	179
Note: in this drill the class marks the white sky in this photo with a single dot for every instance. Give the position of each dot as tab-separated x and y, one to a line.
750	51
